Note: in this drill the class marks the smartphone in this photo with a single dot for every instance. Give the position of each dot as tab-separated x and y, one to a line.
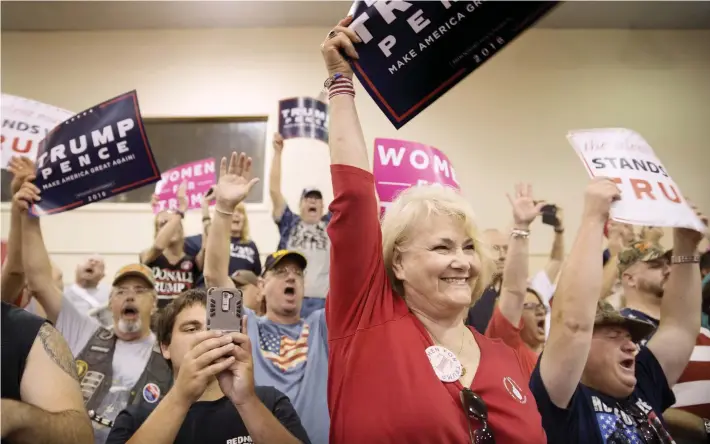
209	193
549	215
224	309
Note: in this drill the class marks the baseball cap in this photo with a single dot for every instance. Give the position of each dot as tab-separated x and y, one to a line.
639	251
307	191
244	277
137	270
608	316
274	258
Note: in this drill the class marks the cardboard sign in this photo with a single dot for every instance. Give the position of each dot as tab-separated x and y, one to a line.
399	164
413	52
649	196
100	152
303	117
25	123
199	175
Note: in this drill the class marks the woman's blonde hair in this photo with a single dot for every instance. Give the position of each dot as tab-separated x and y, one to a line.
244	236
413	206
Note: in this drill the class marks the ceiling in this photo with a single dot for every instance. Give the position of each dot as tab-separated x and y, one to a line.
105	15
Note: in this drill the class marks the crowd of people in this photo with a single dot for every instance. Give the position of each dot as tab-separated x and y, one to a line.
415	327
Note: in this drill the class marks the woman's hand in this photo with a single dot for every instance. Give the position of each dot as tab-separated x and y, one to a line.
340	40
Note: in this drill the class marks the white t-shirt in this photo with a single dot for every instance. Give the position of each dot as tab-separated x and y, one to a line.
86	299
129	361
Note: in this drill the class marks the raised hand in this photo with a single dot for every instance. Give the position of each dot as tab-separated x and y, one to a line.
237	381
210	354
27	195
182	197
692	237
278	142
340	40
598	197
525	208
22	169
234	182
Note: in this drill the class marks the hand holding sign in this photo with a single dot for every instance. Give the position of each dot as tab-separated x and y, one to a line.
340	40
234	182
278	143
26	196
598	197
691	238
22	169
525	208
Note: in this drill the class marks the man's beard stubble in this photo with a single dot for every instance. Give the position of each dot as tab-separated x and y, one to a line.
129	326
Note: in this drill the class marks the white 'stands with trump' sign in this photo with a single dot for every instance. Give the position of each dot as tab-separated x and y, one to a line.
649	196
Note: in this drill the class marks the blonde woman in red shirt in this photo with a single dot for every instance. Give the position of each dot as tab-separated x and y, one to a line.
403	367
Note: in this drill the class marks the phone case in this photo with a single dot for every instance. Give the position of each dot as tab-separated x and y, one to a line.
224	309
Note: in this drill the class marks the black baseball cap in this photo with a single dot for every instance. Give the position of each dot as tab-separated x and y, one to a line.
274	258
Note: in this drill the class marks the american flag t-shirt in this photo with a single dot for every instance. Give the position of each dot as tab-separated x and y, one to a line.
282	350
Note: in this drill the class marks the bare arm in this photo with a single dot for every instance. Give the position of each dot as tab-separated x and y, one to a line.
162	239
515	272
163	424
610	275
233	185
557	255
52	407
13	275
673	341
277	198
263	427
217	253
573	312
685	425
38	267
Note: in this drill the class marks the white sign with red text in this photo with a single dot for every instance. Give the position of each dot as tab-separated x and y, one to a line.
649	196
25	123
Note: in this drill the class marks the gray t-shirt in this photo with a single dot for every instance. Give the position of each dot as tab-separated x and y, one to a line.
312	241
294	359
129	361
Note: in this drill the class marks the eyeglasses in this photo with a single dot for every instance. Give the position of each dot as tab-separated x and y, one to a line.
534	306
284	271
475	408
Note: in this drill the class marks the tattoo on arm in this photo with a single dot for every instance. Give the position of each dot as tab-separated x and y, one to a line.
57	349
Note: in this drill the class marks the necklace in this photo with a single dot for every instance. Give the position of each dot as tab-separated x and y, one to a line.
463	335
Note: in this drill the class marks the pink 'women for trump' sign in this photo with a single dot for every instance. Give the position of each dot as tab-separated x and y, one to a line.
199	177
400	164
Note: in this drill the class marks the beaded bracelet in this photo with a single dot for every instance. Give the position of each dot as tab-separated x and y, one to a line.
341	85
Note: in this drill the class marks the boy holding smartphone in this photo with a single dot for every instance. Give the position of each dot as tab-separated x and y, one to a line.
213	398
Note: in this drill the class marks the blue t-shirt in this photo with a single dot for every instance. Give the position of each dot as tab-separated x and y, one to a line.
294	359
242	256
592	417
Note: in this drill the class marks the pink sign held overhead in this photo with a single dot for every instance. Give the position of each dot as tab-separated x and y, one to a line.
400	164
199	176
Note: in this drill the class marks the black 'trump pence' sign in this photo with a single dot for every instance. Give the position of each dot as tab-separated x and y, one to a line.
303	117
98	153
412	52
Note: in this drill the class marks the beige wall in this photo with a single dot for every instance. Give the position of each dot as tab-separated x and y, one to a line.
505	123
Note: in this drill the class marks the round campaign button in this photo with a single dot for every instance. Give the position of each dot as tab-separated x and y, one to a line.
445	363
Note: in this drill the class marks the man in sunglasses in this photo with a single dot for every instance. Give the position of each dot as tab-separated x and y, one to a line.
593	383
